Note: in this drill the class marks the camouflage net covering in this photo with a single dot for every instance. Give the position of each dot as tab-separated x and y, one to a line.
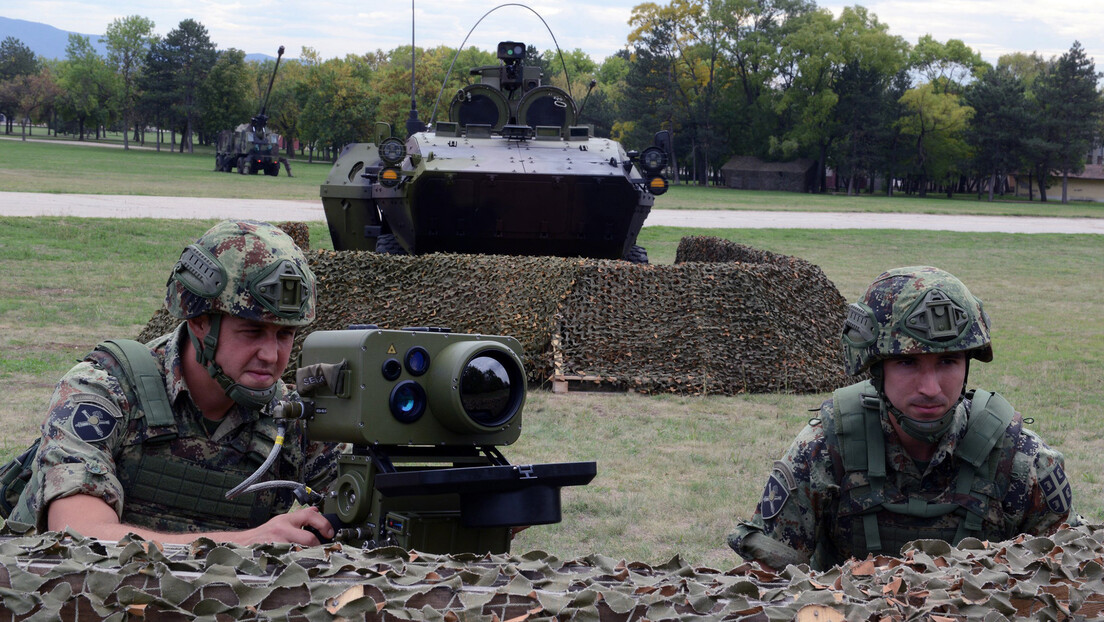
724	319
299	231
727	319
68	577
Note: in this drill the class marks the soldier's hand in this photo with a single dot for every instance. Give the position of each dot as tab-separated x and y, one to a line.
292	527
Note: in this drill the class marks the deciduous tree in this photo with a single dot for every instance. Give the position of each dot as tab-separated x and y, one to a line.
936	122
128	41
29	95
92	88
226	97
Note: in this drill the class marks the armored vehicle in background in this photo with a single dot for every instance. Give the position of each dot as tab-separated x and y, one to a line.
510	172
251	148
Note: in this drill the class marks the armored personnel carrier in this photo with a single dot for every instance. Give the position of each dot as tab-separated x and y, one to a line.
250	148
510	172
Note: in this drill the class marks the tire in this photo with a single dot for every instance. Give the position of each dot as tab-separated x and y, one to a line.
386	244
241	165
247	168
272	169
637	254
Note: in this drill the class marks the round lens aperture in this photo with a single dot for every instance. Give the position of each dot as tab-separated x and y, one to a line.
417	361
408	401
653	159
391	369
392	150
490	389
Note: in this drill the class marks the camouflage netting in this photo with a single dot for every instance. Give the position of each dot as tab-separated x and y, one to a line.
68	577
299	231
724	319
727	319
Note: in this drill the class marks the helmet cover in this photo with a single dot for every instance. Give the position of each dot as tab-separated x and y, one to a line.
914	310
247	269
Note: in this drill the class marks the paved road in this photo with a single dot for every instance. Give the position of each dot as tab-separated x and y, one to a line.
109	206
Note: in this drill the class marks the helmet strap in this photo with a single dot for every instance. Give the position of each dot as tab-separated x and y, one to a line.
253	399
927	431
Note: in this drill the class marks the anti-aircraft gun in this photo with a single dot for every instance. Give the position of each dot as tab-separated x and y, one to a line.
251	148
510	172
425	410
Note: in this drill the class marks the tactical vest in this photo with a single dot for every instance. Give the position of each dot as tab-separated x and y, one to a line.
166	484
880	517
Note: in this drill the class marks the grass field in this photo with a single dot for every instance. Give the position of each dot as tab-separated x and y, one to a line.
674	472
62	167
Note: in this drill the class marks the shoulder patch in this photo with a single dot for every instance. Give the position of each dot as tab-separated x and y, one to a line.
1057	491
777	491
92	422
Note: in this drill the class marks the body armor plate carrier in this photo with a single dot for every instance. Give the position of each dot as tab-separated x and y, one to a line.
887	518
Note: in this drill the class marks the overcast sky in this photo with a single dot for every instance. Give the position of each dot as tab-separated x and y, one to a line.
599	27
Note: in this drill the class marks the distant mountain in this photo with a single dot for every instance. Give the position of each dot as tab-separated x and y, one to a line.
49	42
45	41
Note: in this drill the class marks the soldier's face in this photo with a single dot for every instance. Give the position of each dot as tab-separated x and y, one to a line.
925	386
253	353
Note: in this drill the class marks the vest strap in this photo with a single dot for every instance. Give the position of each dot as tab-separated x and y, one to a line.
141	371
873	534
990	415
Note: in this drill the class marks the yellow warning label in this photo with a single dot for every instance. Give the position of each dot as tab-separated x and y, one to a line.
391	349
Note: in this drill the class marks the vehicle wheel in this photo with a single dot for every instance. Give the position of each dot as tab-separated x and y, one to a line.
272	169
386	244
248	167
241	166
637	254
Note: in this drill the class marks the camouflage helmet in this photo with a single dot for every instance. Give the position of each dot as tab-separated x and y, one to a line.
914	310
247	269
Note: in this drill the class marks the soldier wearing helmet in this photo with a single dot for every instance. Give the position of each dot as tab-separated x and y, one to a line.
147	439
909	453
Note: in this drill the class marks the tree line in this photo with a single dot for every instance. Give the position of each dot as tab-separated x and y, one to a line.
775	79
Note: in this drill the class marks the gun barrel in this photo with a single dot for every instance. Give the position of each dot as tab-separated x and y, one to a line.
271	79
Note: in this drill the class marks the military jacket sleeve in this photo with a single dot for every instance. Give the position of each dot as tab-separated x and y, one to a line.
1040	497
318	462
792	517
83	427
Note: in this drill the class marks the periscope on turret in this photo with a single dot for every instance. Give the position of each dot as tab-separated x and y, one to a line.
511	171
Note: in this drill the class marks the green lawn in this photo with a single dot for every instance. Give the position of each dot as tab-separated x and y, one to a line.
100	168
674	472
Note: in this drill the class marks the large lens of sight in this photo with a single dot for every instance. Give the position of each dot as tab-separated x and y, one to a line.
489	389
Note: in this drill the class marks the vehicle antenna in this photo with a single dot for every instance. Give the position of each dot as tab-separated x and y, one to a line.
413	125
590	87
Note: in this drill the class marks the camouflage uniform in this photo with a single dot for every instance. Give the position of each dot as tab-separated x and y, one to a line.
171	476
96	442
801	518
819	508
